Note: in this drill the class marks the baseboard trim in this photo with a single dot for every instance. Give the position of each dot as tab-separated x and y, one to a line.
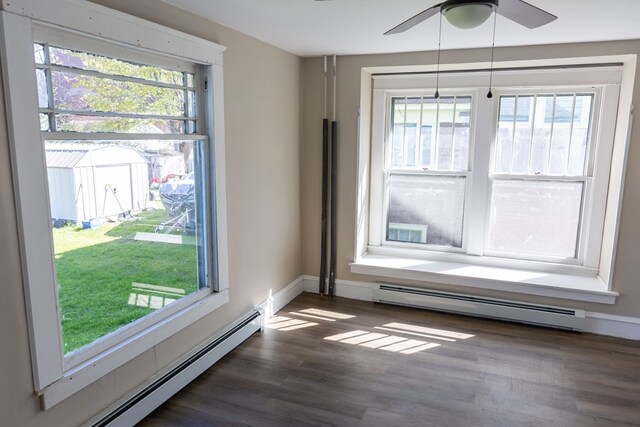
615	326
595	323
274	303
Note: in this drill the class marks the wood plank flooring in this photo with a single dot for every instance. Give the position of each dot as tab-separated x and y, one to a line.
352	363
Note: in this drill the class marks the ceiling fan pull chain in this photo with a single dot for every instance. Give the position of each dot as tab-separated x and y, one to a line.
437	94
493	48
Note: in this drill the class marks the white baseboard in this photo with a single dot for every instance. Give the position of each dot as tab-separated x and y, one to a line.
615	326
344	288
274	303
596	323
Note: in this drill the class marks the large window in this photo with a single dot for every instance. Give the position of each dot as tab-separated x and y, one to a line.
128	211
516	180
118	152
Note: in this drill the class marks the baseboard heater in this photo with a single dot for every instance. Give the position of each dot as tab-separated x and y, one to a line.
143	402
542	315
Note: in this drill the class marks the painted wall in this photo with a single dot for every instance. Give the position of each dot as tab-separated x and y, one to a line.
349	75
263	176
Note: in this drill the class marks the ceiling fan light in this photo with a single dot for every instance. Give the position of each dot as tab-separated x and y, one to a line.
467	15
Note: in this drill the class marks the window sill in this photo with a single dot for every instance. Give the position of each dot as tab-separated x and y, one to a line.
554	285
90	371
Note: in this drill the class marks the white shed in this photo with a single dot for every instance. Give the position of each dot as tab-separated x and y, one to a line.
89	181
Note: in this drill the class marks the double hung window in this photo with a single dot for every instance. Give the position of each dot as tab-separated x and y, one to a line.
517	180
117	145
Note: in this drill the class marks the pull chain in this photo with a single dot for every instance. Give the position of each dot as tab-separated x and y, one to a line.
493	48
437	94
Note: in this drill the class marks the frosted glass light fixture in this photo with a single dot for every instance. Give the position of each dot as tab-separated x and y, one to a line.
467	13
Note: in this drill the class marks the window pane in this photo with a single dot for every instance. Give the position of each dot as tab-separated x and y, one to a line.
505	134
430	133
88	61
580	135
44	122
87	93
426	209
429	124
522	136
127	228
43	95
462	137
446	106
38	53
397	137
539	218
541	139
77	123
553	140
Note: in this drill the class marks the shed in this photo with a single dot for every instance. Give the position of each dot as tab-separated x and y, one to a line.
89	181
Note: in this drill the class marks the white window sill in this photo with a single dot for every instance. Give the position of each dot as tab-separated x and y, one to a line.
90	371
555	285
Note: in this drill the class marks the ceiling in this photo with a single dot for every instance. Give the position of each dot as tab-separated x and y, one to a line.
347	27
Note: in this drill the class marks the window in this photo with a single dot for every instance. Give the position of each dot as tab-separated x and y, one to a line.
139	236
118	150
519	180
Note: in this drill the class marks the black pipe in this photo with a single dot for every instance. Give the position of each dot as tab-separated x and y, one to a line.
325	179
334	216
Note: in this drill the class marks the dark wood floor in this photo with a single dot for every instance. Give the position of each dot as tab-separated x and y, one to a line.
333	369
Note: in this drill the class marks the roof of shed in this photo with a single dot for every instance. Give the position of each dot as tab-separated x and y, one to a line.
69	154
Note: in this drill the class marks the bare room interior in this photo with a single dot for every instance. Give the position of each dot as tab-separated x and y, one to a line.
319	212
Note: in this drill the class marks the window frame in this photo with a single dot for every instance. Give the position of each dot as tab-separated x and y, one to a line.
55	376
531	277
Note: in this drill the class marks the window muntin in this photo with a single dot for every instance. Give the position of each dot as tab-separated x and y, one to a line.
130	234
85	92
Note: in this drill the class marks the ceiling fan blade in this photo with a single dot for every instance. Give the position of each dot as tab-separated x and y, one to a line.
415	20
524	13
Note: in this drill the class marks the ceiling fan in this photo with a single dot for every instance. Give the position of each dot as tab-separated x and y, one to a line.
471	13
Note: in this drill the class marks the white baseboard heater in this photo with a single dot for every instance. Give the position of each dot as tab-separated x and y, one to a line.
137	406
514	311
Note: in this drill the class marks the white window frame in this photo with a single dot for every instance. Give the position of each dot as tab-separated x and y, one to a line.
55	376
590	281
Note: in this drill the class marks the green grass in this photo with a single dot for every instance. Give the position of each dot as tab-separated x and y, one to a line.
97	267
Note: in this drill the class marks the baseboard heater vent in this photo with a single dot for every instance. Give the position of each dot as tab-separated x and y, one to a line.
142	403
543	315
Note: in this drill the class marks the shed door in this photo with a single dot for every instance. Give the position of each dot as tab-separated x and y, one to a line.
113	185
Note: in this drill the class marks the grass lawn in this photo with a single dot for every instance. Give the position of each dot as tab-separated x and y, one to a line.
97	269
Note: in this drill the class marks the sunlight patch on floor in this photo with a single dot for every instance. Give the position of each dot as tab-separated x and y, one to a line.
325	313
282	323
374	340
429	331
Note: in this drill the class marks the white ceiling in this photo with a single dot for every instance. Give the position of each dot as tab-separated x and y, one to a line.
344	27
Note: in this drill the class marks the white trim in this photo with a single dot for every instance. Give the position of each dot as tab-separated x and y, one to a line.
274	303
554	285
615	326
596	323
76	379
118	27
20	99
344	288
